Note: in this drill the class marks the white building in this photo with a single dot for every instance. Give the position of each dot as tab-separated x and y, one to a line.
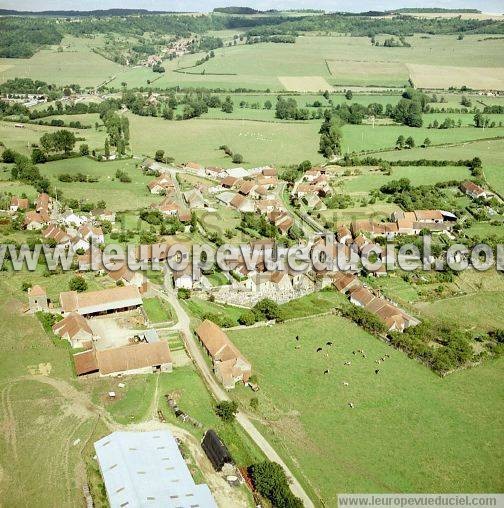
147	469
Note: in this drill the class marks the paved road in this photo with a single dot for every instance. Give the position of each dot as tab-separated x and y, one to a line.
183	325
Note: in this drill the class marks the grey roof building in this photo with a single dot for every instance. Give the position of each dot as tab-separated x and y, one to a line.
143	469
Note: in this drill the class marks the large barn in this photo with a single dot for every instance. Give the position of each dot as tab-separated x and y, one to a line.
147	469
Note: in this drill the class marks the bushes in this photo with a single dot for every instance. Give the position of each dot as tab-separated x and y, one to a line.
226	410
78	284
222	321
453	349
364	318
267	309
270	481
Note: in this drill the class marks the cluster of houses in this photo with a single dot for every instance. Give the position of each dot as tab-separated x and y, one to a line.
394	318
253	191
35	219
405	223
312	187
66	229
141	354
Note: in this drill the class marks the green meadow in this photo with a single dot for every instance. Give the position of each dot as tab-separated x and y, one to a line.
409	430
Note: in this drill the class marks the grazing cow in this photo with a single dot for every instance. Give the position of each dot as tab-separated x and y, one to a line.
364	356
319	349
326	371
298	347
329	343
353	352
348	363
297	337
376	371
351	404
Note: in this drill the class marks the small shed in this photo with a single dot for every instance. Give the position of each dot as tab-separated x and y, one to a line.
216	450
37	299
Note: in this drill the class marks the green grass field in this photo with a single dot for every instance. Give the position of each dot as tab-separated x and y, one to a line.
490	152
157	311
418	175
23	139
198	308
117	195
410	431
77	63
260	143
363	137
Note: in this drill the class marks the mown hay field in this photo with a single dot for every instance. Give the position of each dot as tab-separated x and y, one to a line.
304	83
364	73
443	77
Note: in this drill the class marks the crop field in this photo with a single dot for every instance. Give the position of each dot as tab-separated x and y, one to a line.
354	72
304	83
260	143
442	77
422	434
117	195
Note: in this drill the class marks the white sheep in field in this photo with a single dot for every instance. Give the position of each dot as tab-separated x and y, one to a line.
351	404
345	383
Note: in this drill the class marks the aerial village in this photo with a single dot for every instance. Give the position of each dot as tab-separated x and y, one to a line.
111	334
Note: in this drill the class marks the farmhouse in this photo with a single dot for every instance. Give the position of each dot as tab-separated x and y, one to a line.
361	296
343	234
194	199
103	215
70	218
473	190
424	216
147	469
387	229
43	203
92	234
75	329
229	364
121	273
160	184
104	301
37	299
242	204
139	358
18	204
53	232
229	182
35	220
237	172
345	282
